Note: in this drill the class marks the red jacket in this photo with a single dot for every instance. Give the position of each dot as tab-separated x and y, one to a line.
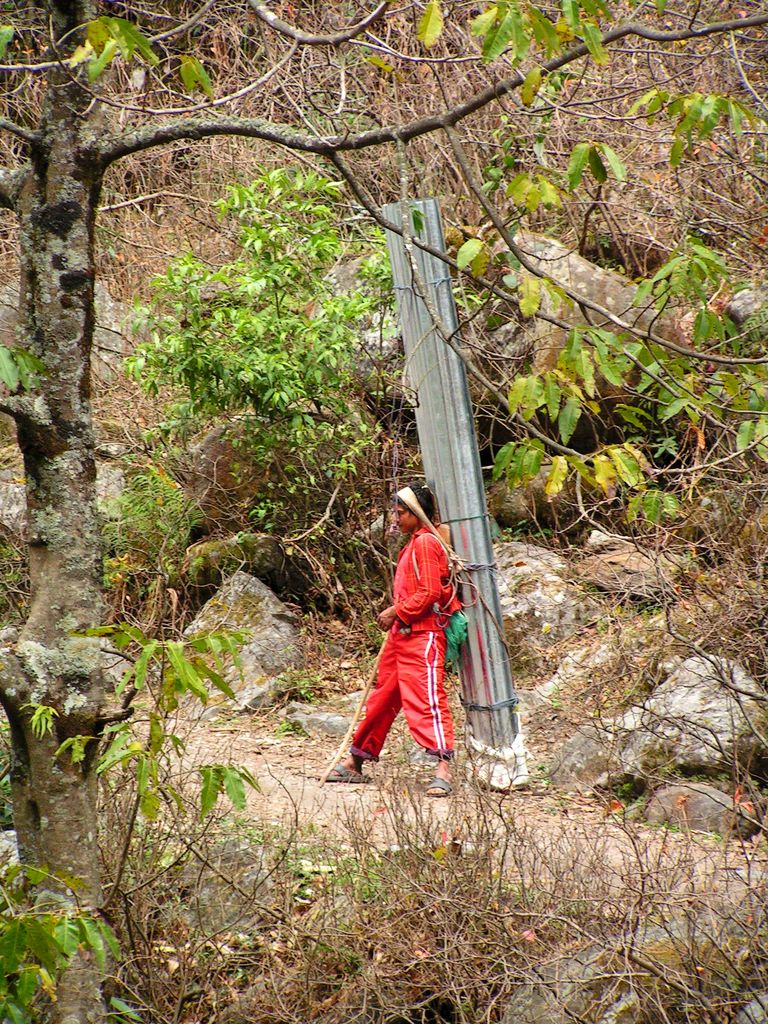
424	597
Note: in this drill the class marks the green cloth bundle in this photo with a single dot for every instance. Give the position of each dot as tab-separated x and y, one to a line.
456	633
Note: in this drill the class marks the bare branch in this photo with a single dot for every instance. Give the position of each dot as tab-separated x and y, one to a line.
602	311
18	131
199	128
306	39
184	25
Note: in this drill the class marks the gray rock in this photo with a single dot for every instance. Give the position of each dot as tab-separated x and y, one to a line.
222	479
110	482
245	604
590	758
539	606
708	715
747	303
529	502
9	850
587	986
755	1011
606	288
619	567
111	336
698	807
575	669
222	889
313	720
13	506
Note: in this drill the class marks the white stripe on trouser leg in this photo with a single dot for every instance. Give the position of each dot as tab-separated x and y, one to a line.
430	658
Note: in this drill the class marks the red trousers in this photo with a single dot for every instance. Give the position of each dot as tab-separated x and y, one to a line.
410	677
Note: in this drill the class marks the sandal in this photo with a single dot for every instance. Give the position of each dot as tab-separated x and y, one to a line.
442	785
345	775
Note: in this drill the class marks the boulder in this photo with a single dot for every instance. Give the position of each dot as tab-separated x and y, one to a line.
222	890
244	604
590	759
746	303
258	554
698	807
222	479
529	503
314	720
618	566
609	982
755	1011
13	503
606	288
111	337
539	607
707	716
9	850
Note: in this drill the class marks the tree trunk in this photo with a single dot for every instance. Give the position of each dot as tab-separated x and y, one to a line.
54	800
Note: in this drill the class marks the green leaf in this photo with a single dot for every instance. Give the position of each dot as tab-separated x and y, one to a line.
593	38
577	163
211	787
468	252
130	40
673	408
549	193
544	31
552	395
235	789
507	30
430	24
6	37
516	392
149	804
596	165
96	66
569	416
530	87
557	475
194	76
572	14
42	944
124	1011
626	466
676	152
9	371
482	24
530	294
745	435
379	63
618	168
186	673
517	189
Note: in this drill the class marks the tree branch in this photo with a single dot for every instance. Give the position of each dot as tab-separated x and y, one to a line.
18	131
306	39
194	129
582	300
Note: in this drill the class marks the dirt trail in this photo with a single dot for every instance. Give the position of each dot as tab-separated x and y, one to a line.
557	829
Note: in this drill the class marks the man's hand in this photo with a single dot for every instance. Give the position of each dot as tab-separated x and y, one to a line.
386	618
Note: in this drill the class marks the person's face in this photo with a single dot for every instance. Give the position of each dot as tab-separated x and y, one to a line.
407	522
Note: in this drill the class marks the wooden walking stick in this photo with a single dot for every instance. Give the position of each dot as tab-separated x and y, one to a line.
356	717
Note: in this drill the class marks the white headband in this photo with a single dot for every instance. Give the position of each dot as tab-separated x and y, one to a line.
408	498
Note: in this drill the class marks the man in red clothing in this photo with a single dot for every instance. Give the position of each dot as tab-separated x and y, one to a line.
412	663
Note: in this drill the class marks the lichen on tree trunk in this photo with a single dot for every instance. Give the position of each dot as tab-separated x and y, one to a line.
54	663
